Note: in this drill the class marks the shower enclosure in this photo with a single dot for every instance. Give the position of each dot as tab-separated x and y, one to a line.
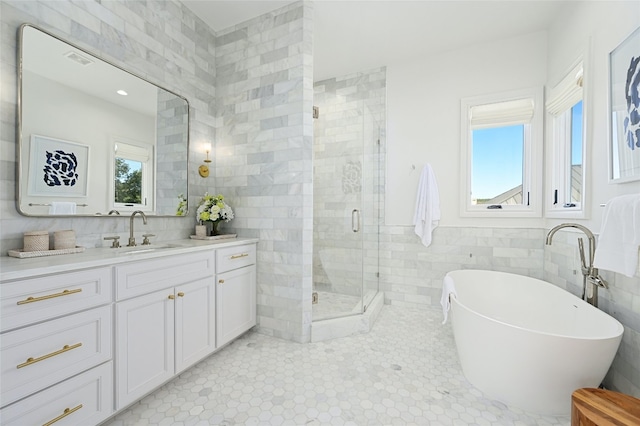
347	182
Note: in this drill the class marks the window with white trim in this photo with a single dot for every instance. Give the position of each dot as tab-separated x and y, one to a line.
565	108
501	154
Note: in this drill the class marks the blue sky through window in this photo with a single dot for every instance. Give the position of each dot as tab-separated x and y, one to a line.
497	160
576	134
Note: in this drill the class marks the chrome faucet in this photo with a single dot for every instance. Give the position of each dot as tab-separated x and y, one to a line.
132	240
589	273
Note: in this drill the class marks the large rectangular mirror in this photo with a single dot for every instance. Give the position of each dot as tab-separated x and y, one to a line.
94	138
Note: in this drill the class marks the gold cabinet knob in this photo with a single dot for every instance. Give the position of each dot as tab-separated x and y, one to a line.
171	296
221	281
181	294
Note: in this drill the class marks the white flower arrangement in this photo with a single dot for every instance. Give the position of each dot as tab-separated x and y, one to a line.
213	209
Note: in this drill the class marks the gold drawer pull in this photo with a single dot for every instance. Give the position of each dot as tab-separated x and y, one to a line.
181	294
221	281
171	296
238	256
64	414
66	348
50	296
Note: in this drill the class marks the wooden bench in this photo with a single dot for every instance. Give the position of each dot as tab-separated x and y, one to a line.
599	407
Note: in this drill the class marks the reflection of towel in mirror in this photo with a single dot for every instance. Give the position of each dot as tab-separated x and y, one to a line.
62	207
619	239
427	213
448	289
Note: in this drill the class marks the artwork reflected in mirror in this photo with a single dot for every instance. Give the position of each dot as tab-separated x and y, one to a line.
58	168
95	136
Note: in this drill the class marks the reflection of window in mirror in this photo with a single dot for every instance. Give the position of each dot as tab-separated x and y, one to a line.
128	182
132	181
501	148
565	107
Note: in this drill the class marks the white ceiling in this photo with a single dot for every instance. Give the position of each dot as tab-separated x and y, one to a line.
352	36
47	56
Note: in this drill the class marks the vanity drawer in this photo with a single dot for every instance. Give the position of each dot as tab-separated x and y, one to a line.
231	258
38	356
86	399
143	277
28	301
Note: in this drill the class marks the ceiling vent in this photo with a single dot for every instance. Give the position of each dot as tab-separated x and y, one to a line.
76	57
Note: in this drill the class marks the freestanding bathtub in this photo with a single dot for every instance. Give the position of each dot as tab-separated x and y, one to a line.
528	343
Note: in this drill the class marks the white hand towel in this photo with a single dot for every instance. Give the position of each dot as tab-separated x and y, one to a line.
617	248
448	289
427	213
62	207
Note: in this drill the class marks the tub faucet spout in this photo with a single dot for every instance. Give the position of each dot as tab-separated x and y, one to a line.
590	274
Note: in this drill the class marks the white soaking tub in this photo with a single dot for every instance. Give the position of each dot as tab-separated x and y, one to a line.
528	343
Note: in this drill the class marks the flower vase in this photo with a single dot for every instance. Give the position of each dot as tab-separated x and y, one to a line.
215	228
209	226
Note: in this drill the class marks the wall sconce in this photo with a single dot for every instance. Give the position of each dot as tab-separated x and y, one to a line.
204	169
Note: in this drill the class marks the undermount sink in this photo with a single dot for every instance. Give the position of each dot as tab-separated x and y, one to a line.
147	248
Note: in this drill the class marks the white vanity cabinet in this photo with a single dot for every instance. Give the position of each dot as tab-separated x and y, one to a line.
161	333
235	292
84	337
57	340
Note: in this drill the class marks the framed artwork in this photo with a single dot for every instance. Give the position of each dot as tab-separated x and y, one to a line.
624	110
58	168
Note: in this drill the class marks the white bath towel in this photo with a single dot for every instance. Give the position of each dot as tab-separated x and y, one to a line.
619	240
427	213
62	207
448	289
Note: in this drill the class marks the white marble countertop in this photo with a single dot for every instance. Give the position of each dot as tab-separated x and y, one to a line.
12	268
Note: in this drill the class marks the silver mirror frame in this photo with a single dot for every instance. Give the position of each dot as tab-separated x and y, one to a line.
19	136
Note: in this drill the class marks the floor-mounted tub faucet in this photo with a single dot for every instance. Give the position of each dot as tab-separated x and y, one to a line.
589	273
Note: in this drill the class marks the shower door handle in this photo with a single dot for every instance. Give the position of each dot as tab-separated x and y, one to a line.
355	220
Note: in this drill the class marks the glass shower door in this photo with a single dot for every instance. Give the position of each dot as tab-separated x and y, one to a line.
338	207
345	183
371	202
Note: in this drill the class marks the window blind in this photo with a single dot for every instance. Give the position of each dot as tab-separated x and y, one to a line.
132	152
567	93
508	113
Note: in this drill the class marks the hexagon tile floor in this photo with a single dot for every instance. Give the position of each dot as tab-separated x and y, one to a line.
404	372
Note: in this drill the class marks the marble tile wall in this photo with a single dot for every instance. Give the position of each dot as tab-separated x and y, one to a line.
411	274
263	156
348	167
171	172
163	42
621	300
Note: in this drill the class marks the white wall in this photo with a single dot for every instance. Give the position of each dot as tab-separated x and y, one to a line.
423	101
423	107
596	27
